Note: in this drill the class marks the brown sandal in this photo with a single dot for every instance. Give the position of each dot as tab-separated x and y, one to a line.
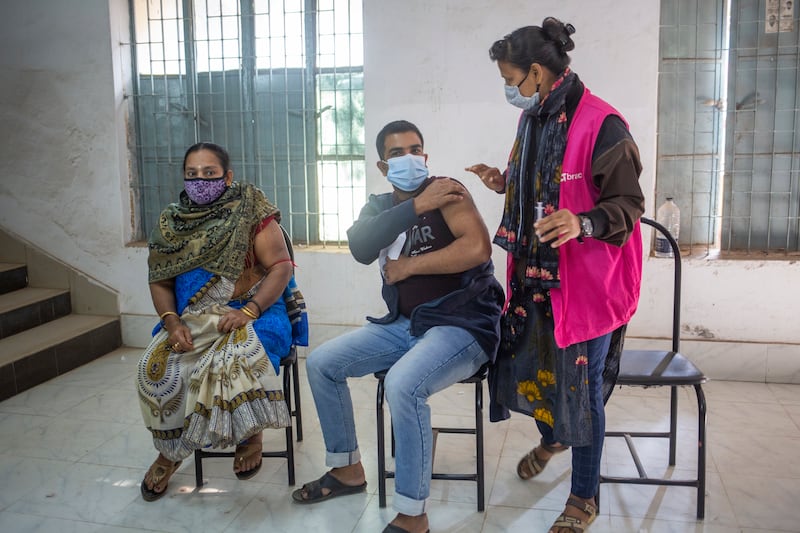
158	473
245	451
576	525
534	463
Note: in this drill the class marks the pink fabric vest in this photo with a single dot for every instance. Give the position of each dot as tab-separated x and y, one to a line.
599	282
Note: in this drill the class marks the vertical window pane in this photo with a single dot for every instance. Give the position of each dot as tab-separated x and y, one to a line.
159	34
237	73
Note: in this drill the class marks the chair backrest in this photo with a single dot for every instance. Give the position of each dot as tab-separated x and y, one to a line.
295	301
676	289
289	244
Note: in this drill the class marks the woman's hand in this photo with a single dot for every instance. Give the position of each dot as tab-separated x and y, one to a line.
490	176
562	226
180	338
231	320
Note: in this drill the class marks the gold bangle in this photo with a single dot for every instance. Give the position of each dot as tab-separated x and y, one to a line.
248	312
167	313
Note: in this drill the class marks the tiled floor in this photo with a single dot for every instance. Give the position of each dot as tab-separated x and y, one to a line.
73	452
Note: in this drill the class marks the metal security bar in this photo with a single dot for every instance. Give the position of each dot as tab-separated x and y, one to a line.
728	149
279	83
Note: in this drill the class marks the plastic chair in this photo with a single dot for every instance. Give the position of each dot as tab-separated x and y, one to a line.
478	476
657	368
290	387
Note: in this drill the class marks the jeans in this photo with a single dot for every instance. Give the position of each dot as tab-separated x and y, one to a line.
586	459
420	367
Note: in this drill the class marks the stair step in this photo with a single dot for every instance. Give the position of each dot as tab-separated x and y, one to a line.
13	276
44	352
30	307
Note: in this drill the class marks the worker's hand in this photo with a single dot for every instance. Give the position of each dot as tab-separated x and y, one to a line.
490	176
559	227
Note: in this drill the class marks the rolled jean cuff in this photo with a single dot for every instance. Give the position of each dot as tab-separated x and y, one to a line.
405	505
341	459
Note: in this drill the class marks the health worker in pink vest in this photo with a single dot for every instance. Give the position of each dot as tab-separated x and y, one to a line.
571	229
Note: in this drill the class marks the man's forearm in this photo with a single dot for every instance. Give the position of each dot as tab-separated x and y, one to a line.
459	256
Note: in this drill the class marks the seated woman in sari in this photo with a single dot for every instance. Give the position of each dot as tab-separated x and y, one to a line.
220	278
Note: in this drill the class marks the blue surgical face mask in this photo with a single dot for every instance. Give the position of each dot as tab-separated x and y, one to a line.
515	98
407	172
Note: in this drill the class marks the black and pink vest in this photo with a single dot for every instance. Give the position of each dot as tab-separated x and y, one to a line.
600	282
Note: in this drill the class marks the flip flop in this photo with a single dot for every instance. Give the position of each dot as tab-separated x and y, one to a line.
313	489
159	473
243	451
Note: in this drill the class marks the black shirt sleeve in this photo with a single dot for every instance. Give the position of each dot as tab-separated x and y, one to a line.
615	170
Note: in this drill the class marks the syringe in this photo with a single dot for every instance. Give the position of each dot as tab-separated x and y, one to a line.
539	211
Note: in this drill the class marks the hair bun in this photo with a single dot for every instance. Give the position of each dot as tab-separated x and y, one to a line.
558	32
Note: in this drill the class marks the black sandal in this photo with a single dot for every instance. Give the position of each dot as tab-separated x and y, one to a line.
158	472
244	451
314	494
391	528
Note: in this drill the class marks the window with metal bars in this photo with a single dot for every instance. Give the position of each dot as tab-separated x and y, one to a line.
278	83
728	111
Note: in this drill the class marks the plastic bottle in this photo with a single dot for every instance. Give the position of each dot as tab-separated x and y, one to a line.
669	216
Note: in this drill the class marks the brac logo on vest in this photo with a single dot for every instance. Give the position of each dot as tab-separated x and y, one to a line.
566	176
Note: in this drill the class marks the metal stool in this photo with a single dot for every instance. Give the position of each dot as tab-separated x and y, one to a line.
478	476
657	368
287	363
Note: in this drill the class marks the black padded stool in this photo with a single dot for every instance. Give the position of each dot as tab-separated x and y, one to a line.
670	368
287	363
478	476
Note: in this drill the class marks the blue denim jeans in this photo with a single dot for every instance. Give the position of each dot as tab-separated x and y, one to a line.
420	367
586	459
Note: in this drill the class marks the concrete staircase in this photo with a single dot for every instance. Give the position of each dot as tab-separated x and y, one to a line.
52	324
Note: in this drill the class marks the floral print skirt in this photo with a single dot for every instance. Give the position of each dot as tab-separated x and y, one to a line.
535	377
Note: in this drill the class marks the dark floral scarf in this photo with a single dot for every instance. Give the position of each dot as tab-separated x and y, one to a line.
533	175
218	236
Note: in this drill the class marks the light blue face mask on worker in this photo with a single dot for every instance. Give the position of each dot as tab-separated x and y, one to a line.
515	98
407	172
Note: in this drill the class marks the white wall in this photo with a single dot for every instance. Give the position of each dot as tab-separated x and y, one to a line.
62	111
64	73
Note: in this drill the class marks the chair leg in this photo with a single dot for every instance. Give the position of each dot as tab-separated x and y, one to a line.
290	455
673	423
198	468
381	448
287	393
701	452
479	443
298	415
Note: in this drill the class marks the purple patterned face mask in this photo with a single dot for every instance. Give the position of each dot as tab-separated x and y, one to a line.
204	192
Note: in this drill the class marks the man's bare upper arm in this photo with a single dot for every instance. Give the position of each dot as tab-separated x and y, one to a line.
465	221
